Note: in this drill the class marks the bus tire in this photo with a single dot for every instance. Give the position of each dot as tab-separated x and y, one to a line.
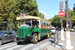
35	38
48	36
39	38
0	42
18	42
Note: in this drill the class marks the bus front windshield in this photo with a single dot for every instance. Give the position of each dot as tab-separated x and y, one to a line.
34	22
28	23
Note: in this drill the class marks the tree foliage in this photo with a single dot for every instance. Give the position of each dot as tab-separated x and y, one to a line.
6	7
41	15
26	5
55	21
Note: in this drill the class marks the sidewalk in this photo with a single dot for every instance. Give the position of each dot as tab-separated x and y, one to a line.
62	43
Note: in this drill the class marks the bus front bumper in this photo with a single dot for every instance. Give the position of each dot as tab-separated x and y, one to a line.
23	39
20	39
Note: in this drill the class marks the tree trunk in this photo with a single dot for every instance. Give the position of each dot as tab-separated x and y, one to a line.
15	23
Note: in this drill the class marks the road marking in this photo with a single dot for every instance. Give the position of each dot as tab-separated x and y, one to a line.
68	38
7	46
67	31
4	45
14	47
24	48
37	48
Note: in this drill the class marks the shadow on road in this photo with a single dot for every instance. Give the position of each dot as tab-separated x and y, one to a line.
51	41
51	38
56	43
25	42
7	42
30	42
72	31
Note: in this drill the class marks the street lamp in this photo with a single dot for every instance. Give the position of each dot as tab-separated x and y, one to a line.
68	40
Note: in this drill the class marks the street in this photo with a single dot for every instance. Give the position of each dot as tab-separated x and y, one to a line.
41	45
25	46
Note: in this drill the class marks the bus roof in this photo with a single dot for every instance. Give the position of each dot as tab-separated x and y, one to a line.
31	17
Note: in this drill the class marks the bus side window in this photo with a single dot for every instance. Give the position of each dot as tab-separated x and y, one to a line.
41	23
44	24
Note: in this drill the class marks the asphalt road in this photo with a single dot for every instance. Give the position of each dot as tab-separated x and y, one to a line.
27	45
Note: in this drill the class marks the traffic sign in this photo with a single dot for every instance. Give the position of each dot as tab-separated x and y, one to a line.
61	13
70	21
61	5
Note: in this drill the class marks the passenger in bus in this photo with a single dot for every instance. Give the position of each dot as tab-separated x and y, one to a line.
38	26
35	26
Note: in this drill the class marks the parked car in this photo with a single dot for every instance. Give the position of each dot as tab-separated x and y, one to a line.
53	30
6	36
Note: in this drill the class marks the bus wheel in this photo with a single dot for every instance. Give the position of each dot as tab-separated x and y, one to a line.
48	35
35	38
17	42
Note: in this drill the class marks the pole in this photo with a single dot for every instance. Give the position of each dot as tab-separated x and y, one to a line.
54	39
57	36
62	31
68	40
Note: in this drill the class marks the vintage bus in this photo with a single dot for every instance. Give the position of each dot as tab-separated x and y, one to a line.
32	28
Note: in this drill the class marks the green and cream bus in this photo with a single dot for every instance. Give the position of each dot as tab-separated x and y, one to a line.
34	28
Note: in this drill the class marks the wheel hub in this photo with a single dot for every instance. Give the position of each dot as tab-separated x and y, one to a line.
48	34
36	38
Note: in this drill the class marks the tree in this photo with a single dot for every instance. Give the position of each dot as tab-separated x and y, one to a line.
40	15
55	21
26	5
6	7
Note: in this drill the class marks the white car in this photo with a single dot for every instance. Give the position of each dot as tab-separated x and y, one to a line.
53	30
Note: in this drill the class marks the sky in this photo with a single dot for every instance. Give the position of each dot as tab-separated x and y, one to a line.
51	7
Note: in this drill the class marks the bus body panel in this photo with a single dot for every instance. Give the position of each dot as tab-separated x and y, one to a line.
45	32
22	32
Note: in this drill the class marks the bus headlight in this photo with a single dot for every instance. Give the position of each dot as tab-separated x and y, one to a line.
28	35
